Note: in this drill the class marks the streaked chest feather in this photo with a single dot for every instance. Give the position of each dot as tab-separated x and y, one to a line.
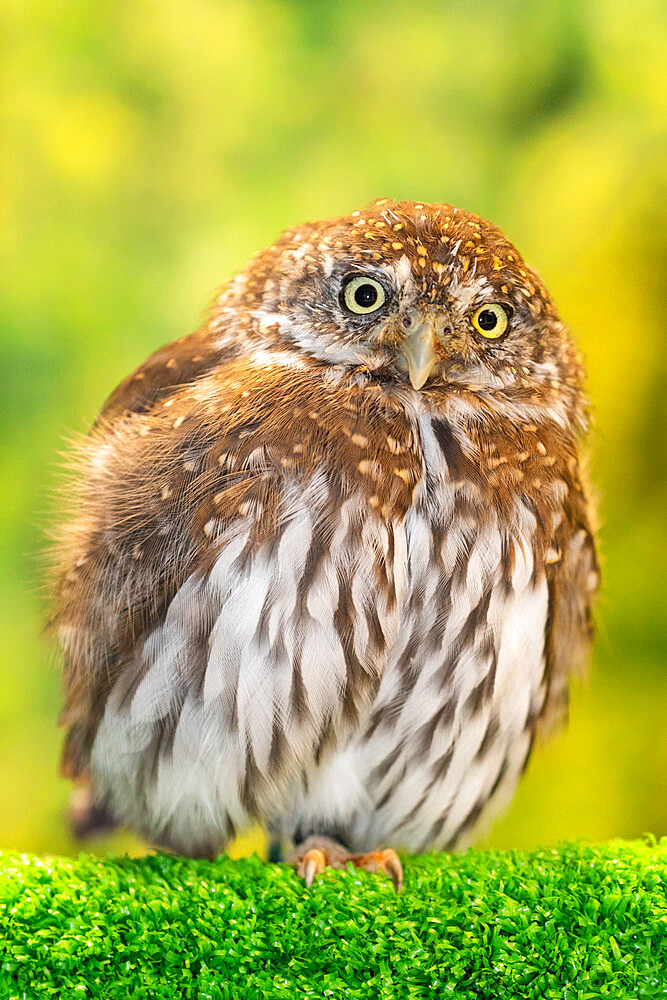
450	727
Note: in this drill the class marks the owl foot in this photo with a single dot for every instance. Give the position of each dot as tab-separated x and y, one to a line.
317	853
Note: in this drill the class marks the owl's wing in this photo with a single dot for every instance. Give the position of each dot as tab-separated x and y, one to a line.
573	581
225	606
166	370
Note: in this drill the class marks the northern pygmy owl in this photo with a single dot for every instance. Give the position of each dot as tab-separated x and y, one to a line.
330	559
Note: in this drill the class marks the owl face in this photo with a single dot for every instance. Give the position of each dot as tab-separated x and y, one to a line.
418	295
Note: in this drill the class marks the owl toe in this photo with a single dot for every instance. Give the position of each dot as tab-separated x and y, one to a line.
318	853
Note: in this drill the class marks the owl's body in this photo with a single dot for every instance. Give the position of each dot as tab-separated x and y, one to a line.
317	575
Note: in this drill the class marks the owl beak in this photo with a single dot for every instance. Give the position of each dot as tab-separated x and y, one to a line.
419	352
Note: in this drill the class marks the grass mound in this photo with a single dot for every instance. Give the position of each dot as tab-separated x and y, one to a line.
573	922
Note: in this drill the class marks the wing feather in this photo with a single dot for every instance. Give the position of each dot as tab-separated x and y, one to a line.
222	623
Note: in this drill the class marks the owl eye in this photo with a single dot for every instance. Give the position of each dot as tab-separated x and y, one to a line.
491	320
362	294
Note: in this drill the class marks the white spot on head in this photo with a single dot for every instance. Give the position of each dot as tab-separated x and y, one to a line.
403	271
328	261
300	251
470	292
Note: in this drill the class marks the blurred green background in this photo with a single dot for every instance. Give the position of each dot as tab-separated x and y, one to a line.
149	148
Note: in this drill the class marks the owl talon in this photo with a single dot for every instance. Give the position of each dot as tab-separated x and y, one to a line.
386	861
312	863
393	867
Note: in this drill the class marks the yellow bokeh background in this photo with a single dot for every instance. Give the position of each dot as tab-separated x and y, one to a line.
147	149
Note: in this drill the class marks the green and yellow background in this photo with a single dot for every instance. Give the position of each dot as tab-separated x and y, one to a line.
148	148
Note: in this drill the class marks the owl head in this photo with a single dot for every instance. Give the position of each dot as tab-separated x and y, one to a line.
424	296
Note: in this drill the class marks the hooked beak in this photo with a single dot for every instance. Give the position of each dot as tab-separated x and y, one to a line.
419	352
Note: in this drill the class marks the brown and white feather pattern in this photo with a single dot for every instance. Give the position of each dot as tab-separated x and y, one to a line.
301	591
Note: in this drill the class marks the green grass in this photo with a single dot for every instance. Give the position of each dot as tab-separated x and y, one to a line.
573	922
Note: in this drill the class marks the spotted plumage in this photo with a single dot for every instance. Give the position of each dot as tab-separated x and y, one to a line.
330	560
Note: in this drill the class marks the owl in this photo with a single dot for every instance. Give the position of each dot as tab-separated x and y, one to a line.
329	560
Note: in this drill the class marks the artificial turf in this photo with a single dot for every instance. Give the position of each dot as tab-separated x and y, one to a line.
573	922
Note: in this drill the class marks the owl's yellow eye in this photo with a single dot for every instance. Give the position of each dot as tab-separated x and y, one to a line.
490	320
363	294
